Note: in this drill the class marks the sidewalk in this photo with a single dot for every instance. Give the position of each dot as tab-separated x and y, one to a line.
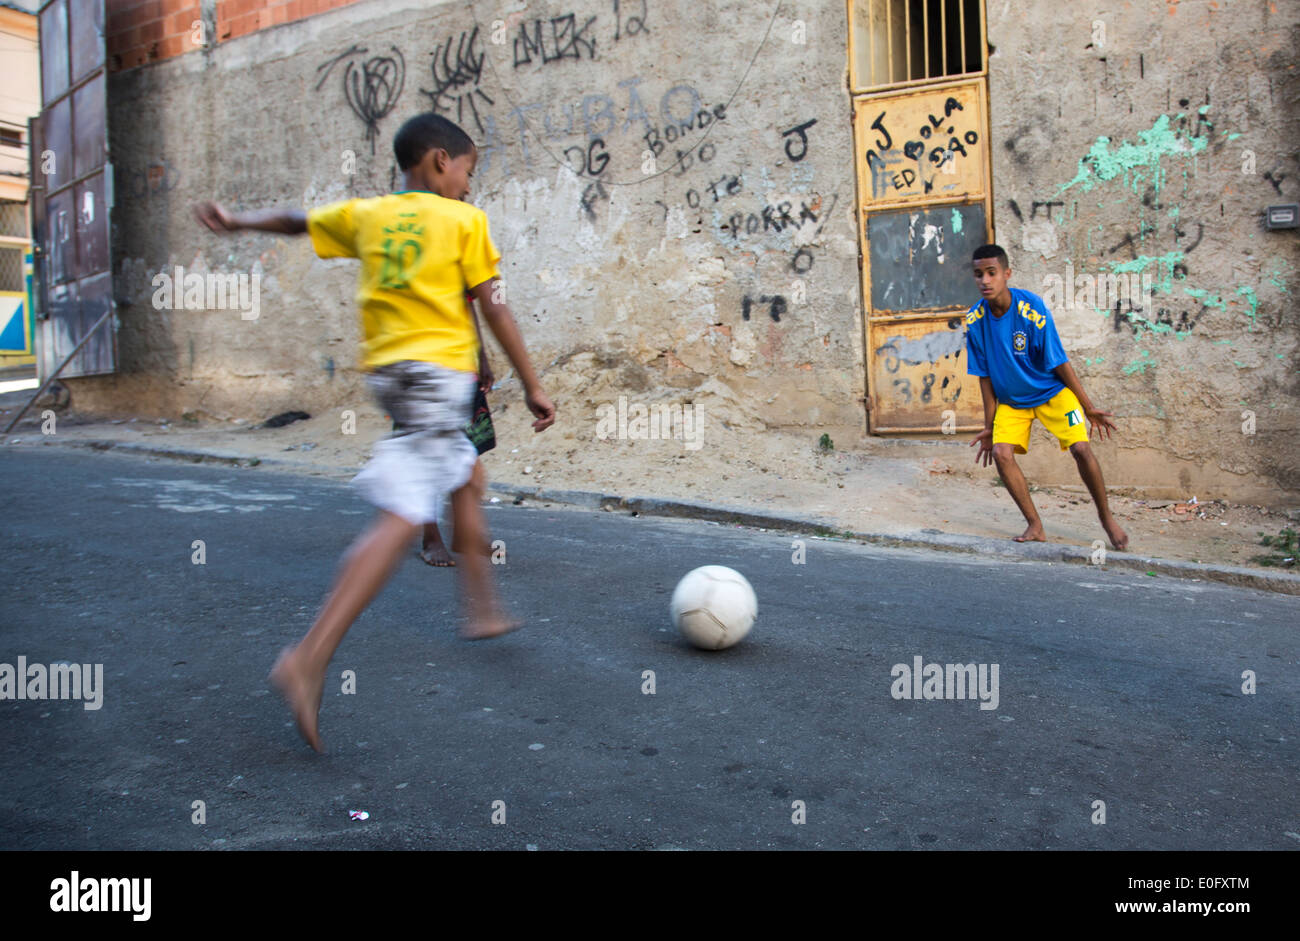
926	494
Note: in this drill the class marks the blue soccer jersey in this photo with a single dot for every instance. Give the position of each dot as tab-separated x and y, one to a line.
1017	351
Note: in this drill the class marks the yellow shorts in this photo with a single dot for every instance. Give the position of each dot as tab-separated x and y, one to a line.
1061	415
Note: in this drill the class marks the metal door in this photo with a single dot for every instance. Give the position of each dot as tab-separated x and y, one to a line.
925	203
72	190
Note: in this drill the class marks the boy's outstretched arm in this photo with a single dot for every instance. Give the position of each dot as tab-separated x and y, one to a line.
502	324
985	437
1100	420
285	221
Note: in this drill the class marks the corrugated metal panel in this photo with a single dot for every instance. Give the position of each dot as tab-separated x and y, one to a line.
71	189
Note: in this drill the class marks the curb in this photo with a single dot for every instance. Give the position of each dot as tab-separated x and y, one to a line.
176	454
932	539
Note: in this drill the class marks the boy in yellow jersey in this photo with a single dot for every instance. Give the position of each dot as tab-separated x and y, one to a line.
420	249
1012	345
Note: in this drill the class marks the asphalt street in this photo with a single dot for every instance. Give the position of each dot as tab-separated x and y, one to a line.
1112	687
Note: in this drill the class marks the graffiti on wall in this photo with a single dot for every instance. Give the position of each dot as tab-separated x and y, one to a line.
923	144
371	86
456	79
1159	241
553	40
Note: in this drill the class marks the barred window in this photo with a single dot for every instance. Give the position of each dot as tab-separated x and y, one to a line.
13	219
11	269
899	41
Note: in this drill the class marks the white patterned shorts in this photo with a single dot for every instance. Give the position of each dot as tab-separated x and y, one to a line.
428	454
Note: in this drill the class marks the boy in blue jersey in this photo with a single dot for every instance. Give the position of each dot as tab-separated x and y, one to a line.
1013	347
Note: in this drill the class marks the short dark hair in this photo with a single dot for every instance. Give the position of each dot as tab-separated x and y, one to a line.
991	251
426	132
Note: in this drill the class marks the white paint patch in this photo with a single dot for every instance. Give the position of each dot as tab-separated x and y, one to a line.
932	233
1166	585
540	225
1041	237
929	348
189	496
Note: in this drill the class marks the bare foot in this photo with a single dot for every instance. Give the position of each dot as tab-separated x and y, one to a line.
437	556
483	628
1033	534
302	693
1118	538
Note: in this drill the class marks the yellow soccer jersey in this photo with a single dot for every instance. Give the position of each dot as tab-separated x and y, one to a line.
419	254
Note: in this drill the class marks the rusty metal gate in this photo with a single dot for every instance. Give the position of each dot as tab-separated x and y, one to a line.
920	119
72	190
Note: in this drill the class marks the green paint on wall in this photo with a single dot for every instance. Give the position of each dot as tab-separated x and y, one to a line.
1206	298
1135	163
956	222
1249	294
1164	279
1141	326
1140	364
1277	280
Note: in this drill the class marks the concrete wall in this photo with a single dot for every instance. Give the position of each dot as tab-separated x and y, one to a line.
628	275
1147	139
1120	141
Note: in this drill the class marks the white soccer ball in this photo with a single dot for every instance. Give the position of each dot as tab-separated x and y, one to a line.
714	607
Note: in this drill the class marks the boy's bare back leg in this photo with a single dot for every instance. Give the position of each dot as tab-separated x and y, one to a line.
300	672
1004	455
433	550
487	616
1090	471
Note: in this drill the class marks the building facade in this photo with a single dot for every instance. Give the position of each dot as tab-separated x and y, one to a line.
765	205
20	100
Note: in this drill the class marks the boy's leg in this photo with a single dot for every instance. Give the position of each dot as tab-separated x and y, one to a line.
1004	455
1090	471
487	616
478	485
1063	416
300	671
433	550
1011	434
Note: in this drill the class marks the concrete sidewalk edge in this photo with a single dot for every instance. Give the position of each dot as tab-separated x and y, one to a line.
933	539
1281	582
